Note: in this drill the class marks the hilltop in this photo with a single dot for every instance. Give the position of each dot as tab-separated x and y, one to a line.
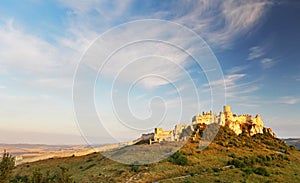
229	158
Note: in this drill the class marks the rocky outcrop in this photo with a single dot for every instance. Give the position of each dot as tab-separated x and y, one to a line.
269	131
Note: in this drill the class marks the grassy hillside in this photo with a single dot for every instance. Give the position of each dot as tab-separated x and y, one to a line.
230	158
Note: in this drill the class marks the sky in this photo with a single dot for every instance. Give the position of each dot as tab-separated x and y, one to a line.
50	52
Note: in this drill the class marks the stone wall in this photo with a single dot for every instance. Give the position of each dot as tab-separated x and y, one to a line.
163	135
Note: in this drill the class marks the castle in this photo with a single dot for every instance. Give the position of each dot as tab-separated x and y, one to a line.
244	123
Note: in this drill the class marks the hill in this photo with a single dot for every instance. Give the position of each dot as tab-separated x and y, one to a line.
229	158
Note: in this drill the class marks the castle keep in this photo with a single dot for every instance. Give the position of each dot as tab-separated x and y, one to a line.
244	123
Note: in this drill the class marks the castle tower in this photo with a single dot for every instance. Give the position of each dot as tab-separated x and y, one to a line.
227	113
226	109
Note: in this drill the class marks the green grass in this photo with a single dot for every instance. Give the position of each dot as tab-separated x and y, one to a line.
230	158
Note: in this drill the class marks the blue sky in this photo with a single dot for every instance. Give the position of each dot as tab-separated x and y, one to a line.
256	44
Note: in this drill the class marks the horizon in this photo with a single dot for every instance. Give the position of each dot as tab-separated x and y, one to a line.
252	48
125	140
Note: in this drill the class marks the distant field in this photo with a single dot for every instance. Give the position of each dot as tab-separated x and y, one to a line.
37	149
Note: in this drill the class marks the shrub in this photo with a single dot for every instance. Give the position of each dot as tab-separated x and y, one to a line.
237	163
21	179
232	155
216	169
248	171
261	171
179	158
37	176
135	168
64	176
262	157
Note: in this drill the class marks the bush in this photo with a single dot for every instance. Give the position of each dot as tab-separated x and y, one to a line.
261	171
37	176
248	171
232	155
179	158
237	163
21	179
135	168
216	169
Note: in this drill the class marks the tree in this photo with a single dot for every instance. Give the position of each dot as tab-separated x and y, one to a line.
7	165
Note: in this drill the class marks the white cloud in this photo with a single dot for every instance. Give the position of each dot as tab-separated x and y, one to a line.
237	69
267	62
22	51
221	21
258	53
229	80
237	89
244	90
255	52
87	19
136	56
43	63
289	100
105	9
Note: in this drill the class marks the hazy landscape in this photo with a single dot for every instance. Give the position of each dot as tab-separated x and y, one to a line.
229	158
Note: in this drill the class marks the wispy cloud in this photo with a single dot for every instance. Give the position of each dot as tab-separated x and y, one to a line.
237	69
105	9
289	100
238	90
25	52
267	63
259	53
255	52
87	19
2	87
229	80
219	22
232	18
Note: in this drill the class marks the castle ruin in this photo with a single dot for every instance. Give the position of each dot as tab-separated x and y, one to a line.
237	123
244	123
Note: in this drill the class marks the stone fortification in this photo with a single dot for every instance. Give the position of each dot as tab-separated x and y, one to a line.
244	123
